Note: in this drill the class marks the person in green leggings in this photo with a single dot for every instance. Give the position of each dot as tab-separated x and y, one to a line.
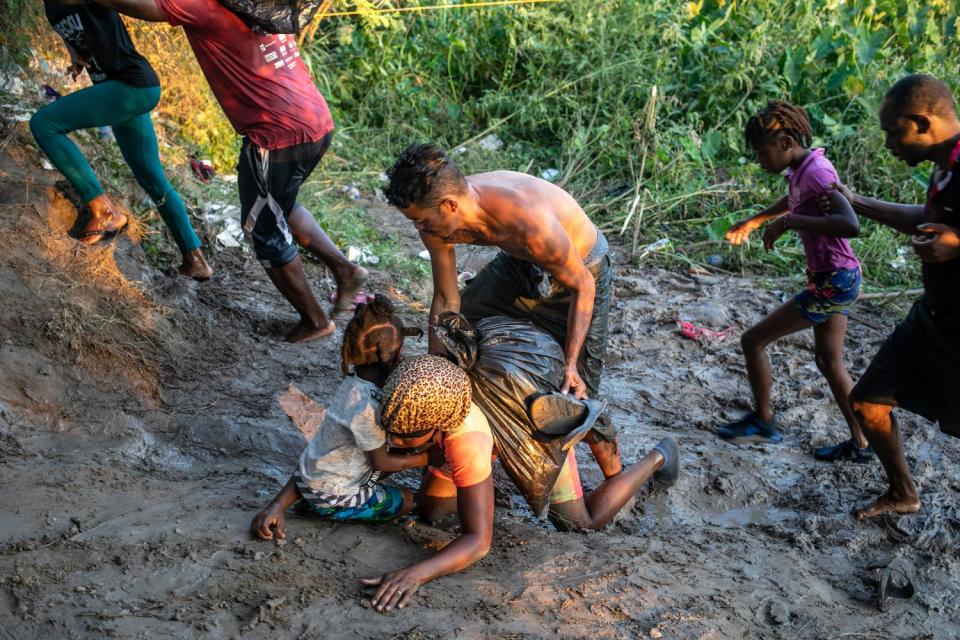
125	89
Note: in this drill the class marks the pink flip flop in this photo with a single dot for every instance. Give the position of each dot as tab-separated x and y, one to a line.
701	334
360	298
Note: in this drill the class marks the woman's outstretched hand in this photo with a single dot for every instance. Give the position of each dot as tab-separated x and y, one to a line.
395	589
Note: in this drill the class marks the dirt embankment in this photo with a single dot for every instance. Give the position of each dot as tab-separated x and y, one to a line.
140	431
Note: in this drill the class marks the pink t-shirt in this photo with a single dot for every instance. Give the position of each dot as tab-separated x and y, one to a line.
259	80
813	178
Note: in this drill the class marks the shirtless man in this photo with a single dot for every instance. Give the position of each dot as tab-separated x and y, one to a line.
553	269
917	368
270	99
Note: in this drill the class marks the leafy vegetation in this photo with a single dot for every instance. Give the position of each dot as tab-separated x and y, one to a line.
568	85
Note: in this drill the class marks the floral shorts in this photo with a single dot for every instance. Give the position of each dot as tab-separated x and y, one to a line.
384	503
828	293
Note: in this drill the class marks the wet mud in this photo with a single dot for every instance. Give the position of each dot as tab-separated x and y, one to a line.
141	428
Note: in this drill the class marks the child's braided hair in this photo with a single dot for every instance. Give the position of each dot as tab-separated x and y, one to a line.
779	115
374	335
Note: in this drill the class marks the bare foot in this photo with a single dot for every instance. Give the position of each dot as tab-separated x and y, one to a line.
105	221
195	266
888	503
347	290
305	332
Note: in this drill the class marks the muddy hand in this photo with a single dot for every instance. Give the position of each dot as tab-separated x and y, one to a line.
267	524
395	589
940	243
573	383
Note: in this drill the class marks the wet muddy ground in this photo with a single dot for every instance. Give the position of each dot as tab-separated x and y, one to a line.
140	431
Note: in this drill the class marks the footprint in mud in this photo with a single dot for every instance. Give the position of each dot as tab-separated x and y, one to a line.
773	612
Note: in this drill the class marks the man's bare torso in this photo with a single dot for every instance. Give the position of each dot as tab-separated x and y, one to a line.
520	208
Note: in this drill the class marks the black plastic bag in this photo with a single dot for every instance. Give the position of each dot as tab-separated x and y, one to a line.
275	16
510	362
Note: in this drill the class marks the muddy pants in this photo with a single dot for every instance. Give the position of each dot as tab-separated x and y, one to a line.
517	288
127	110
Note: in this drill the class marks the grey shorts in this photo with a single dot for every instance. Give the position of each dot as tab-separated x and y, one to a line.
268	185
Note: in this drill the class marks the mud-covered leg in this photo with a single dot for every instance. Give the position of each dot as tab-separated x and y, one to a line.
597	509
882	431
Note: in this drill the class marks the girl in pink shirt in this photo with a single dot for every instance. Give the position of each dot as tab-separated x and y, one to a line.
781	137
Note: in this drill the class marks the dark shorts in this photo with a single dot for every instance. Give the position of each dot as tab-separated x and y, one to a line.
828	293
918	369
268	187
513	287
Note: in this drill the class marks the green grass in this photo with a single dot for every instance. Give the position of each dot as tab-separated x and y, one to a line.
565	86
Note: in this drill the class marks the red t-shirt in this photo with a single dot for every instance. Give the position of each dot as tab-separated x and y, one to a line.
259	80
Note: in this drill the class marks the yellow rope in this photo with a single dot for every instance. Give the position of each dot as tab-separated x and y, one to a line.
461	5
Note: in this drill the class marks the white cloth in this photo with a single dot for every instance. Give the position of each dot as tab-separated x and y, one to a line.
335	462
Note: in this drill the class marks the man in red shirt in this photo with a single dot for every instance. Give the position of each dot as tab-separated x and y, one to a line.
270	99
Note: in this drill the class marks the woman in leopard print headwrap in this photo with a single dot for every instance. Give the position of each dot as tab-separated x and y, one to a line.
427	402
426	392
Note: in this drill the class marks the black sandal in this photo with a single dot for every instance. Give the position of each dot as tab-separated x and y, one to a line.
106	234
895	581
558	415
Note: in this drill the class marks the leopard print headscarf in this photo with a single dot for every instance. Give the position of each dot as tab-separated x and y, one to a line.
425	392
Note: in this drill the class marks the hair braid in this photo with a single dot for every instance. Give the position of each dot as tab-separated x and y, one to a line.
374	335
779	116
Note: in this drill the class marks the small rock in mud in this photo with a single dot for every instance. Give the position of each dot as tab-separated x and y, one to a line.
706	313
779	612
722	485
258	556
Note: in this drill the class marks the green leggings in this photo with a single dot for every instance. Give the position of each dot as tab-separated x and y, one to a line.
127	110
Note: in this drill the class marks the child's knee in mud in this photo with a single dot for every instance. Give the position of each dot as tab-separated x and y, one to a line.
409	502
